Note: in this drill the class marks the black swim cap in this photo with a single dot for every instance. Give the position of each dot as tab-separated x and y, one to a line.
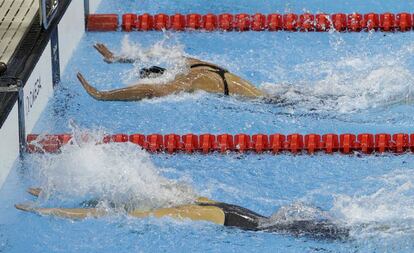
151	72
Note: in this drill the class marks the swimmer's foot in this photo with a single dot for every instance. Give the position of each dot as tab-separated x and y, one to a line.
34	191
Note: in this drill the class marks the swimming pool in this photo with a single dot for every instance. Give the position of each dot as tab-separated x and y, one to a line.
329	82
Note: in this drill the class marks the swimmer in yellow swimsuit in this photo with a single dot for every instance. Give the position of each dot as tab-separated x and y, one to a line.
204	209
201	76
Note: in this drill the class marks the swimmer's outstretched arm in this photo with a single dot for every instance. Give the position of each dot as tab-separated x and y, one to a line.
36	192
110	57
70	213
192	212
131	93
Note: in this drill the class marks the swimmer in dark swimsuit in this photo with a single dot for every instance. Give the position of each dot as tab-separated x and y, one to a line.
204	209
201	76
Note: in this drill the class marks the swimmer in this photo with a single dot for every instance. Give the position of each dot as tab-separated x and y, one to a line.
201	76
204	209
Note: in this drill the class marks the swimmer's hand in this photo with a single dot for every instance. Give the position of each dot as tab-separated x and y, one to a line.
34	191
109	57
25	207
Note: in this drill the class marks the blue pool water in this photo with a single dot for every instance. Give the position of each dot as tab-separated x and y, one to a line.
328	82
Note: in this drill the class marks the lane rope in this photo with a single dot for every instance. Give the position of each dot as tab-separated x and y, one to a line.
346	143
306	22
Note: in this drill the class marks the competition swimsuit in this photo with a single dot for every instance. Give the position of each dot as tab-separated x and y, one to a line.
155	70
215	69
237	216
240	217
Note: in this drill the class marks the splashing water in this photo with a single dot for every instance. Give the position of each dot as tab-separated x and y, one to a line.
116	173
121	174
162	54
299	211
389	211
350	84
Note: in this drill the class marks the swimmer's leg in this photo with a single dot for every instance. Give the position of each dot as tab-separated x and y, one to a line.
192	212
71	213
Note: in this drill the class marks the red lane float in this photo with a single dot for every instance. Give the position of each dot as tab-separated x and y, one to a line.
259	143
354	22
138	139
290	22
242	142
193	21
371	21
161	22
339	22
294	143
242	22
387	22
145	22
312	143
209	22
323	22
412	142
330	143
382	142
47	143
401	142
403	22
274	22
307	22
225	143
177	22
225	22
116	138
258	22
102	22
190	143
172	143
365	143
129	22
347	143
277	142
207	143
155	142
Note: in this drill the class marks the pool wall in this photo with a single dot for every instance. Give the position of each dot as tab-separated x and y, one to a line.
39	87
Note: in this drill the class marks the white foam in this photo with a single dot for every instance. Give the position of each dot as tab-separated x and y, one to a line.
170	56
121	174
350	84
177	97
389	210
296	211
